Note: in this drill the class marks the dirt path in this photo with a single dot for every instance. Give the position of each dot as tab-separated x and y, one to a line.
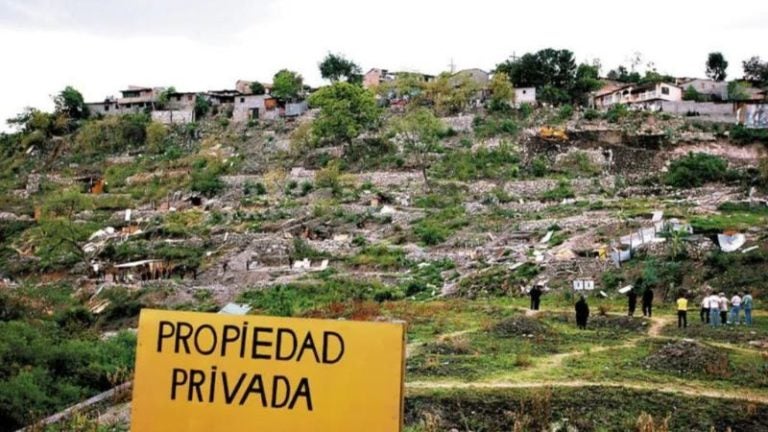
658	325
688	391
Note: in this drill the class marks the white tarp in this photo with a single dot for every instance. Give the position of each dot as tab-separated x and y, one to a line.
731	243
547	237
750	249
657	216
235	309
625	290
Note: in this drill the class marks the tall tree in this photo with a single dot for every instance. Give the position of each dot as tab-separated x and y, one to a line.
502	92
287	85
346	111
716	66
587	80
419	130
756	71
554	71
257	88
70	102
334	67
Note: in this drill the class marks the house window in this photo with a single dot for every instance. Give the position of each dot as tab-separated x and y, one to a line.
525	91
106	107
665	90
242	100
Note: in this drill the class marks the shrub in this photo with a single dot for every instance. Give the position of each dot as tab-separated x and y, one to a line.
591	114
539	166
561	191
695	169
525	110
205	177
616	113
565	112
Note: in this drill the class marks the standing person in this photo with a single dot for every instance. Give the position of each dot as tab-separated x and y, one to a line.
746	303
714	310
582	313
704	312
535	294
632	301
723	303
682	311
648	302
736	309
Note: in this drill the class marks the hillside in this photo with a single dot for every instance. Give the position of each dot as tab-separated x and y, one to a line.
443	227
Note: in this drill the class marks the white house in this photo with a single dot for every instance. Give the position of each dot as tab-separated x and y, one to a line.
525	95
639	94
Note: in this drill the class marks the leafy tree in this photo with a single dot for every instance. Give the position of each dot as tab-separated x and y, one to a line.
737	91
334	67
202	106
555	74
346	111
156	137
621	74
405	85
691	94
716	66
449	94
756	71
587	80
287	85
420	131
257	88
164	97
70	102
502	92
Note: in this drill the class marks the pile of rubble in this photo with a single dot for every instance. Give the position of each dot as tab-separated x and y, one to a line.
686	357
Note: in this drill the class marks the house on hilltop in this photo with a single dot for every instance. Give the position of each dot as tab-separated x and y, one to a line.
638	94
376	77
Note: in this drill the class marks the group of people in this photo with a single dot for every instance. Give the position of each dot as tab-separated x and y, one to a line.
714	309
647	299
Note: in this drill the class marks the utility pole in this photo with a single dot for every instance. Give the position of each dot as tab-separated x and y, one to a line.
452	66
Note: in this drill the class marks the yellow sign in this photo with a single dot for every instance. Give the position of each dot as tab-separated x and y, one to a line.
210	372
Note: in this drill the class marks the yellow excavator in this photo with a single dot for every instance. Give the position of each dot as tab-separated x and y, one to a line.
551	133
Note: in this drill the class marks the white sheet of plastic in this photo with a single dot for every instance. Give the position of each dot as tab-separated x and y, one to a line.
235	309
731	243
547	237
625	290
750	249
657	216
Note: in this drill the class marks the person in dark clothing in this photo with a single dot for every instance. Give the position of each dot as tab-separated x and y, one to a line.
582	313
535	294
632	300
648	302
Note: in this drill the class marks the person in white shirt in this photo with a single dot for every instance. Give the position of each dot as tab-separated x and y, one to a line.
735	309
704	313
714	310
723	308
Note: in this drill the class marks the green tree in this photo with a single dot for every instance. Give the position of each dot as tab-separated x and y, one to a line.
156	136
691	94
448	94
70	102
164	97
202	106
756	71
420	132
737	91
346	111
716	66
287	85
257	88
334	67
405	84
587	80
502	92
695	169
553	71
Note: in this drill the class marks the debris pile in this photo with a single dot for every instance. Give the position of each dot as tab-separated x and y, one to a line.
519	325
687	357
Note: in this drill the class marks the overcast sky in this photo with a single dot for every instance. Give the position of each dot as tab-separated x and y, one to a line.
101	46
